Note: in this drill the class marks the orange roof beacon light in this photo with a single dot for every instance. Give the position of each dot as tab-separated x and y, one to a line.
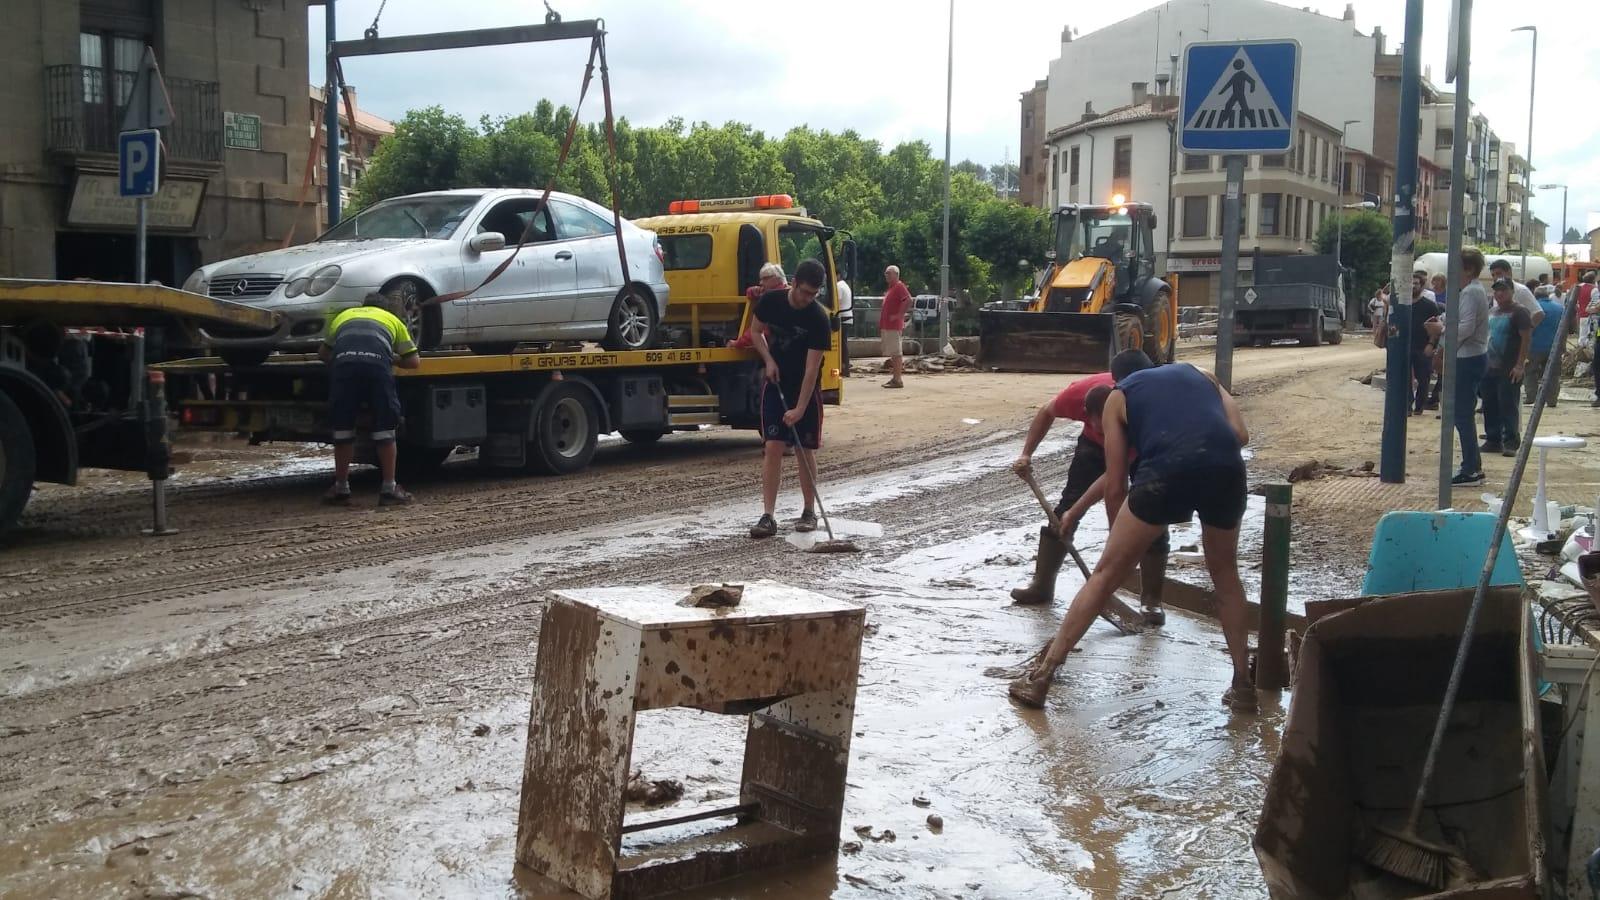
731	204
1118	200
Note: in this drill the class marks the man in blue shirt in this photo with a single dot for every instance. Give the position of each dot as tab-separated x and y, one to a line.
1544	340
1510	330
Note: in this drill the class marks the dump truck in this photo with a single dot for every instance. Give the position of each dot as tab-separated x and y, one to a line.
75	391
1100	295
1292	297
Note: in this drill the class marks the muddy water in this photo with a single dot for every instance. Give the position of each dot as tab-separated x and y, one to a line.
404	782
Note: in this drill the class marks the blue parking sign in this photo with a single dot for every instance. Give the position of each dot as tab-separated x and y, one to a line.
139	163
1239	97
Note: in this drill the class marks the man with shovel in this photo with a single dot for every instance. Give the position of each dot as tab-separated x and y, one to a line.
1187	432
1085	487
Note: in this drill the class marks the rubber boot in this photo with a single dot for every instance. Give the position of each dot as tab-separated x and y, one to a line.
1152	575
1052	552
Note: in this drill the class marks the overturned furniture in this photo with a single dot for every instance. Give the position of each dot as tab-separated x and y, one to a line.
786	657
1371	675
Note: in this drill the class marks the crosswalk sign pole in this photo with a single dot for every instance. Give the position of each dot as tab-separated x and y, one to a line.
1232	197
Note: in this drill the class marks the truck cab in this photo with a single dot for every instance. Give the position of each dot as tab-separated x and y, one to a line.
714	250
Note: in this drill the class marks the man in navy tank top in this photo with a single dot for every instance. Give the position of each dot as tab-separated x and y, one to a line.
1186	432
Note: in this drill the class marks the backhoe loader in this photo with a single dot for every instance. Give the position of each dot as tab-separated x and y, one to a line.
1100	295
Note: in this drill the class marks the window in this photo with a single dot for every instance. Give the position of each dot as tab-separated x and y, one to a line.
1194	216
520	219
1294	216
576	222
1311	165
797	242
1444	138
685	251
1122	159
1312	226
1027	165
1300	153
1055	174
1267	224
1196	162
1027	118
1272	161
435	217
1327	160
110	64
1072	175
1222	203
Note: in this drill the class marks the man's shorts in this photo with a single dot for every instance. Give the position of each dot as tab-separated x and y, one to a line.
772	428
890	342
356	386
1216	493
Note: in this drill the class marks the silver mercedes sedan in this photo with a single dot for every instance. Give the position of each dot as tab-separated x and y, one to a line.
564	282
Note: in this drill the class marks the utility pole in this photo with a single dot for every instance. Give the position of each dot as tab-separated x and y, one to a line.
330	117
1350	317
1232	197
1397	375
1527	155
1452	304
944	250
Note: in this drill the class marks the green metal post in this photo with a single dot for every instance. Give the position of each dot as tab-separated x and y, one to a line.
1270	667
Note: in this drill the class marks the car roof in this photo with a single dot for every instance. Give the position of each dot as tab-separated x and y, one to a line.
496	193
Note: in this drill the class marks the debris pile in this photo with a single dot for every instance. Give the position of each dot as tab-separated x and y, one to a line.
921	365
714	596
652	793
1313	469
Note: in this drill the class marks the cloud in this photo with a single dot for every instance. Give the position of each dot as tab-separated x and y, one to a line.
879	67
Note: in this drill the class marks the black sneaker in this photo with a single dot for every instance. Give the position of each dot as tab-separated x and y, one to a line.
396	497
1511	448
764	527
1466	480
806	522
1490	447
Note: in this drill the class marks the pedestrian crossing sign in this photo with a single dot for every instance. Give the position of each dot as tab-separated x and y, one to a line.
1239	97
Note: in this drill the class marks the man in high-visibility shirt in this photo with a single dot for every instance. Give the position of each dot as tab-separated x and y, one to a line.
362	346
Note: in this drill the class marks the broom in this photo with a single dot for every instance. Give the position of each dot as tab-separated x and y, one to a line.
832	544
1405	853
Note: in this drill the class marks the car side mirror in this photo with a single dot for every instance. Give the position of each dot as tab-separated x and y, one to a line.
486	241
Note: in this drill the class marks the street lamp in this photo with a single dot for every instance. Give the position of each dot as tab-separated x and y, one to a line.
1338	241
1527	156
1551	187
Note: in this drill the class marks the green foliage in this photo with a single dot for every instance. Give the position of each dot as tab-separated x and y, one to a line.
891	201
1368	239
1429	245
1573	236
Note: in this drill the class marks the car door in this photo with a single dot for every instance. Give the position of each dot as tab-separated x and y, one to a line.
598	272
520	296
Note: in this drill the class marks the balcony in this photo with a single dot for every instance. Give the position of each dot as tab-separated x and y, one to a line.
84	115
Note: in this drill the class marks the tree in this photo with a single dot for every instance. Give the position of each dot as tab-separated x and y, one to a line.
1573	236
429	150
1429	245
1366	250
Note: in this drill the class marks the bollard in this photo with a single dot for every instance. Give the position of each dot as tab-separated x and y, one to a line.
158	453
1271	669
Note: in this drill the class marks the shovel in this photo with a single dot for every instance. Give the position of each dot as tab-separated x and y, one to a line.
1118	613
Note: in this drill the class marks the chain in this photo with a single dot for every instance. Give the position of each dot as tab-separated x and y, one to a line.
371	33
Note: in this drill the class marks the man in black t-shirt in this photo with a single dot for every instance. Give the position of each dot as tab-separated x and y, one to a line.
1423	308
791	333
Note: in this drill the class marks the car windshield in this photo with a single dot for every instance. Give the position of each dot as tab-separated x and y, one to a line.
1090	232
435	218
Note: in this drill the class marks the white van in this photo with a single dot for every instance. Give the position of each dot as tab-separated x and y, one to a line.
1438	264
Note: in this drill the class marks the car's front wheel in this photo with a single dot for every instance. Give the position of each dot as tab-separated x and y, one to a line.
634	323
408	297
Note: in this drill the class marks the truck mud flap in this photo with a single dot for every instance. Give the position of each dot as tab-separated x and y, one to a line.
1020	341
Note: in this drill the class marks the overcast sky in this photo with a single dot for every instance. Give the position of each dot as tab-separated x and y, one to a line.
879	67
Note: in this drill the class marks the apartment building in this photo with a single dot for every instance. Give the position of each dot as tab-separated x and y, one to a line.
1033	168
236	74
357	143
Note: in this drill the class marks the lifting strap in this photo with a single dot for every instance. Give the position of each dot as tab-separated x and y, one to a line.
315	150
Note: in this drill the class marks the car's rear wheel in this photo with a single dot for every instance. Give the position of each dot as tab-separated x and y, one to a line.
408	296
634	323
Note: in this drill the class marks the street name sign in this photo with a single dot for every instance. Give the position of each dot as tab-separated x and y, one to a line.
1239	97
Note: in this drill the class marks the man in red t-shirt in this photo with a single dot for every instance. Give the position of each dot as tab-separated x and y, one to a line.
771	279
891	321
1081	402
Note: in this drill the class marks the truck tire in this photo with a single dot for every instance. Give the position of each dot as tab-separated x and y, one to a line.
1157	344
1314	338
1336	336
642	435
407	295
1129	332
16	463
566	430
634	323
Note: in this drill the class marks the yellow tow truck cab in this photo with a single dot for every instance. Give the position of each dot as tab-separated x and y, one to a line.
714	251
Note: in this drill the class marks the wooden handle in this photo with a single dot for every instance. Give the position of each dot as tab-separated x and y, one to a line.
1044	504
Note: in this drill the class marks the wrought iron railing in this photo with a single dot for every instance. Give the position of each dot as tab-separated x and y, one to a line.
85	105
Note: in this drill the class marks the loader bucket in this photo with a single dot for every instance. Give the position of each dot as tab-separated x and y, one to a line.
1020	341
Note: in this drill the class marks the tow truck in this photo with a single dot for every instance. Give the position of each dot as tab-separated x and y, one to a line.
74	389
543	408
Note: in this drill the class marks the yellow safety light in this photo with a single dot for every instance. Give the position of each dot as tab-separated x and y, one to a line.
1118	200
732	204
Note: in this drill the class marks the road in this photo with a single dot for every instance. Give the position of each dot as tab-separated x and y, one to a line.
291	700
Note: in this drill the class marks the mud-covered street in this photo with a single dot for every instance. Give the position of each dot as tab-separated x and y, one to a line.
291	700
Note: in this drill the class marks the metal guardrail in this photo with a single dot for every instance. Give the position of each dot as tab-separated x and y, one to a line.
84	113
